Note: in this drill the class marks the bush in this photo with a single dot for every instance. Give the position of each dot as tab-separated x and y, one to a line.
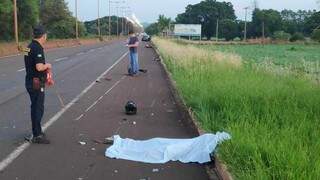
281	35
297	37
237	39
316	35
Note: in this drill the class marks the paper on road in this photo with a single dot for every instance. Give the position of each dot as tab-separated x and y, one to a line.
162	150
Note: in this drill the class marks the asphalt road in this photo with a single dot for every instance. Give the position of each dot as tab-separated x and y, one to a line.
75	68
93	111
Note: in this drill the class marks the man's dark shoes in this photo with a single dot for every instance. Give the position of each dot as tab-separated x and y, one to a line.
40	140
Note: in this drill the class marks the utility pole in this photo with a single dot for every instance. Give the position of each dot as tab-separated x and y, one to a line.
76	12
15	22
263	32
110	19
217	30
99	32
245	25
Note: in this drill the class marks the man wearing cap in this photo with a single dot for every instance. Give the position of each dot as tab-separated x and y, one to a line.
36	68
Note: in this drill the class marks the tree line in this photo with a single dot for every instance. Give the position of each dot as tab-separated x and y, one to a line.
54	15
286	24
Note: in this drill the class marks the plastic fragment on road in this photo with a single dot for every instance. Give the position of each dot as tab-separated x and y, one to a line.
82	143
162	150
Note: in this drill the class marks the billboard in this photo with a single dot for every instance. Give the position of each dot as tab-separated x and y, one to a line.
187	30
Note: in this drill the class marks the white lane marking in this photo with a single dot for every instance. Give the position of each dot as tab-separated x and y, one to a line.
100	98
21	69
81	53
12	156
112	87
153	102
91	106
60	59
79	117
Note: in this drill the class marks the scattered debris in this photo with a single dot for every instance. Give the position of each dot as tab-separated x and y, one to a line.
148	46
143	70
155	170
115	171
93	149
147	178
156	59
124	119
80	178
98	141
134	123
98	81
152	114
108	140
169	111
82	143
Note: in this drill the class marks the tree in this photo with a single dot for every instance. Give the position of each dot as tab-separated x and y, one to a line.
270	19
316	35
6	20
228	29
28	17
312	23
57	18
152	29
163	23
207	13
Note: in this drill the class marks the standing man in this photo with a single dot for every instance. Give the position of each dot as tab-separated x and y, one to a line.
36	69
133	43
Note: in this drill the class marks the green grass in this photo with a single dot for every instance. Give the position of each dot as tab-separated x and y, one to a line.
283	55
274	119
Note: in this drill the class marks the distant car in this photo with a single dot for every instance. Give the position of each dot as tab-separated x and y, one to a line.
146	38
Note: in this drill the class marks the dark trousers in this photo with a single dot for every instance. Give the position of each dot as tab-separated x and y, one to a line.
37	109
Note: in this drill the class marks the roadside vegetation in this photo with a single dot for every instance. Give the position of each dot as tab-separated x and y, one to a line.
273	117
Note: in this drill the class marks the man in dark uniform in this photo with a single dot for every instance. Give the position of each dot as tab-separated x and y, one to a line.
36	68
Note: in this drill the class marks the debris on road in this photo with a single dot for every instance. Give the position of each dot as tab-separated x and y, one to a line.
169	111
82	143
152	114
115	171
134	123
98	81
148	46
155	170
109	140
147	178
93	149
108	79
143	70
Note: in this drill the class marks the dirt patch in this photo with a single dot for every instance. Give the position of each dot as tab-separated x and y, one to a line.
7	49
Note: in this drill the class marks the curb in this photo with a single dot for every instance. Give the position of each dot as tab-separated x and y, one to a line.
215	167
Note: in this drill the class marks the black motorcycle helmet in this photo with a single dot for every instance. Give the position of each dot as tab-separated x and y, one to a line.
131	108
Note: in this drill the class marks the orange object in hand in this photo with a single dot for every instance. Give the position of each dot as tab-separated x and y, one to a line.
49	81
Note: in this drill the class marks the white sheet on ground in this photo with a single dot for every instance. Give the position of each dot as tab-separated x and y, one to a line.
162	150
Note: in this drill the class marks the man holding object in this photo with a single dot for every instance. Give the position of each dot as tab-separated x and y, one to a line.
133	43
36	78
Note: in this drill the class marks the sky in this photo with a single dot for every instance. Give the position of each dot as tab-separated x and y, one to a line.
149	10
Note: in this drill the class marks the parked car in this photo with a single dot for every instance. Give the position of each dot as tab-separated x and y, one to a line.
146	38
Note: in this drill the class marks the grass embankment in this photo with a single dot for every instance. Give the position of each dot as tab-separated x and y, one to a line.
273	119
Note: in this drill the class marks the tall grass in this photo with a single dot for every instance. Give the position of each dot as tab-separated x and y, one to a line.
274	119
